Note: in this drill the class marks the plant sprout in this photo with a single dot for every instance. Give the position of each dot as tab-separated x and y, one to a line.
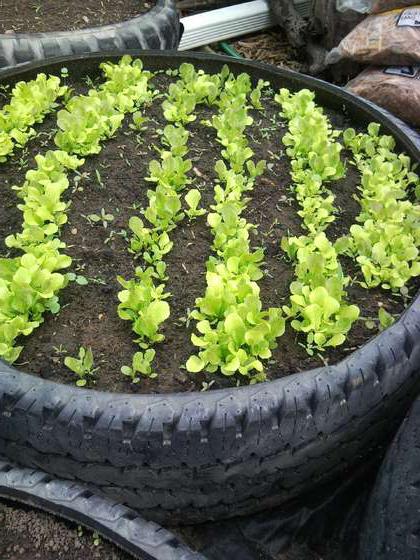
103	218
82	366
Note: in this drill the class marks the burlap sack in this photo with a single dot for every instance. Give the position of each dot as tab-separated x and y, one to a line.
389	38
396	88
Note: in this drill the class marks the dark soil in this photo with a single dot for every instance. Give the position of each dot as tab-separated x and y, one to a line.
27	534
115	180
24	16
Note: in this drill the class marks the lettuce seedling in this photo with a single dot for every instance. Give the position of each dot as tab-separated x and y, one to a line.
255	95
143	303
141	364
128	84
86	121
82	366
29	104
193	198
317	303
30	283
386	240
385	318
164	209
139	122
235	335
324	318
194	87
239	342
102	218
175	138
170	171
152	244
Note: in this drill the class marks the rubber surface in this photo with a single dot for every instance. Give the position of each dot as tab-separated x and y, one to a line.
197	456
392	521
157	29
123	526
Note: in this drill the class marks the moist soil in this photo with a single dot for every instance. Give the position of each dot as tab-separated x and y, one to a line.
115	181
39	16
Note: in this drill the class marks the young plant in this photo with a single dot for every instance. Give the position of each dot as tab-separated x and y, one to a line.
139	122
385	319
235	334
82	366
193	198
255	95
315	154
29	104
30	282
77	278
193	87
143	303
141	364
102	218
318	304
386	240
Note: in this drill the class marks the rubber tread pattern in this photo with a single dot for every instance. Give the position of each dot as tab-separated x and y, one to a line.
121	525
392	521
196	456
157	29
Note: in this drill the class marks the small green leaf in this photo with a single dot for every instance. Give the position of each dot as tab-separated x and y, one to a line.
126	370
82	280
192	198
72	363
194	364
385	318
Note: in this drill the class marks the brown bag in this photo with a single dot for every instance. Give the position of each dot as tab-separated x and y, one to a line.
388	38
371	6
379	6
396	88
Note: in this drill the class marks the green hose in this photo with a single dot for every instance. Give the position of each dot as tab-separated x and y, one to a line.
228	49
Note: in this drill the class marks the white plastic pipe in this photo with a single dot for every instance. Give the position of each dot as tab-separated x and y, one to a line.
233	21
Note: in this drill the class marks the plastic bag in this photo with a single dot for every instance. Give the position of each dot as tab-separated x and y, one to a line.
372	6
396	88
388	38
329	518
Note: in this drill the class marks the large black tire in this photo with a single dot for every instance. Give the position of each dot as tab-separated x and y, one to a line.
392	520
157	29
124	527
196	456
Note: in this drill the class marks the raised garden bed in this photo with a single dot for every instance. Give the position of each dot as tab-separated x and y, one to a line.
51	15
116	183
233	428
63	28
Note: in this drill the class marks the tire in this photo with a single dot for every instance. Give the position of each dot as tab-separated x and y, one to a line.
157	29
117	523
196	456
391	528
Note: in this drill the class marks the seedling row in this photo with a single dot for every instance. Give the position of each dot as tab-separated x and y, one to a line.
235	333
